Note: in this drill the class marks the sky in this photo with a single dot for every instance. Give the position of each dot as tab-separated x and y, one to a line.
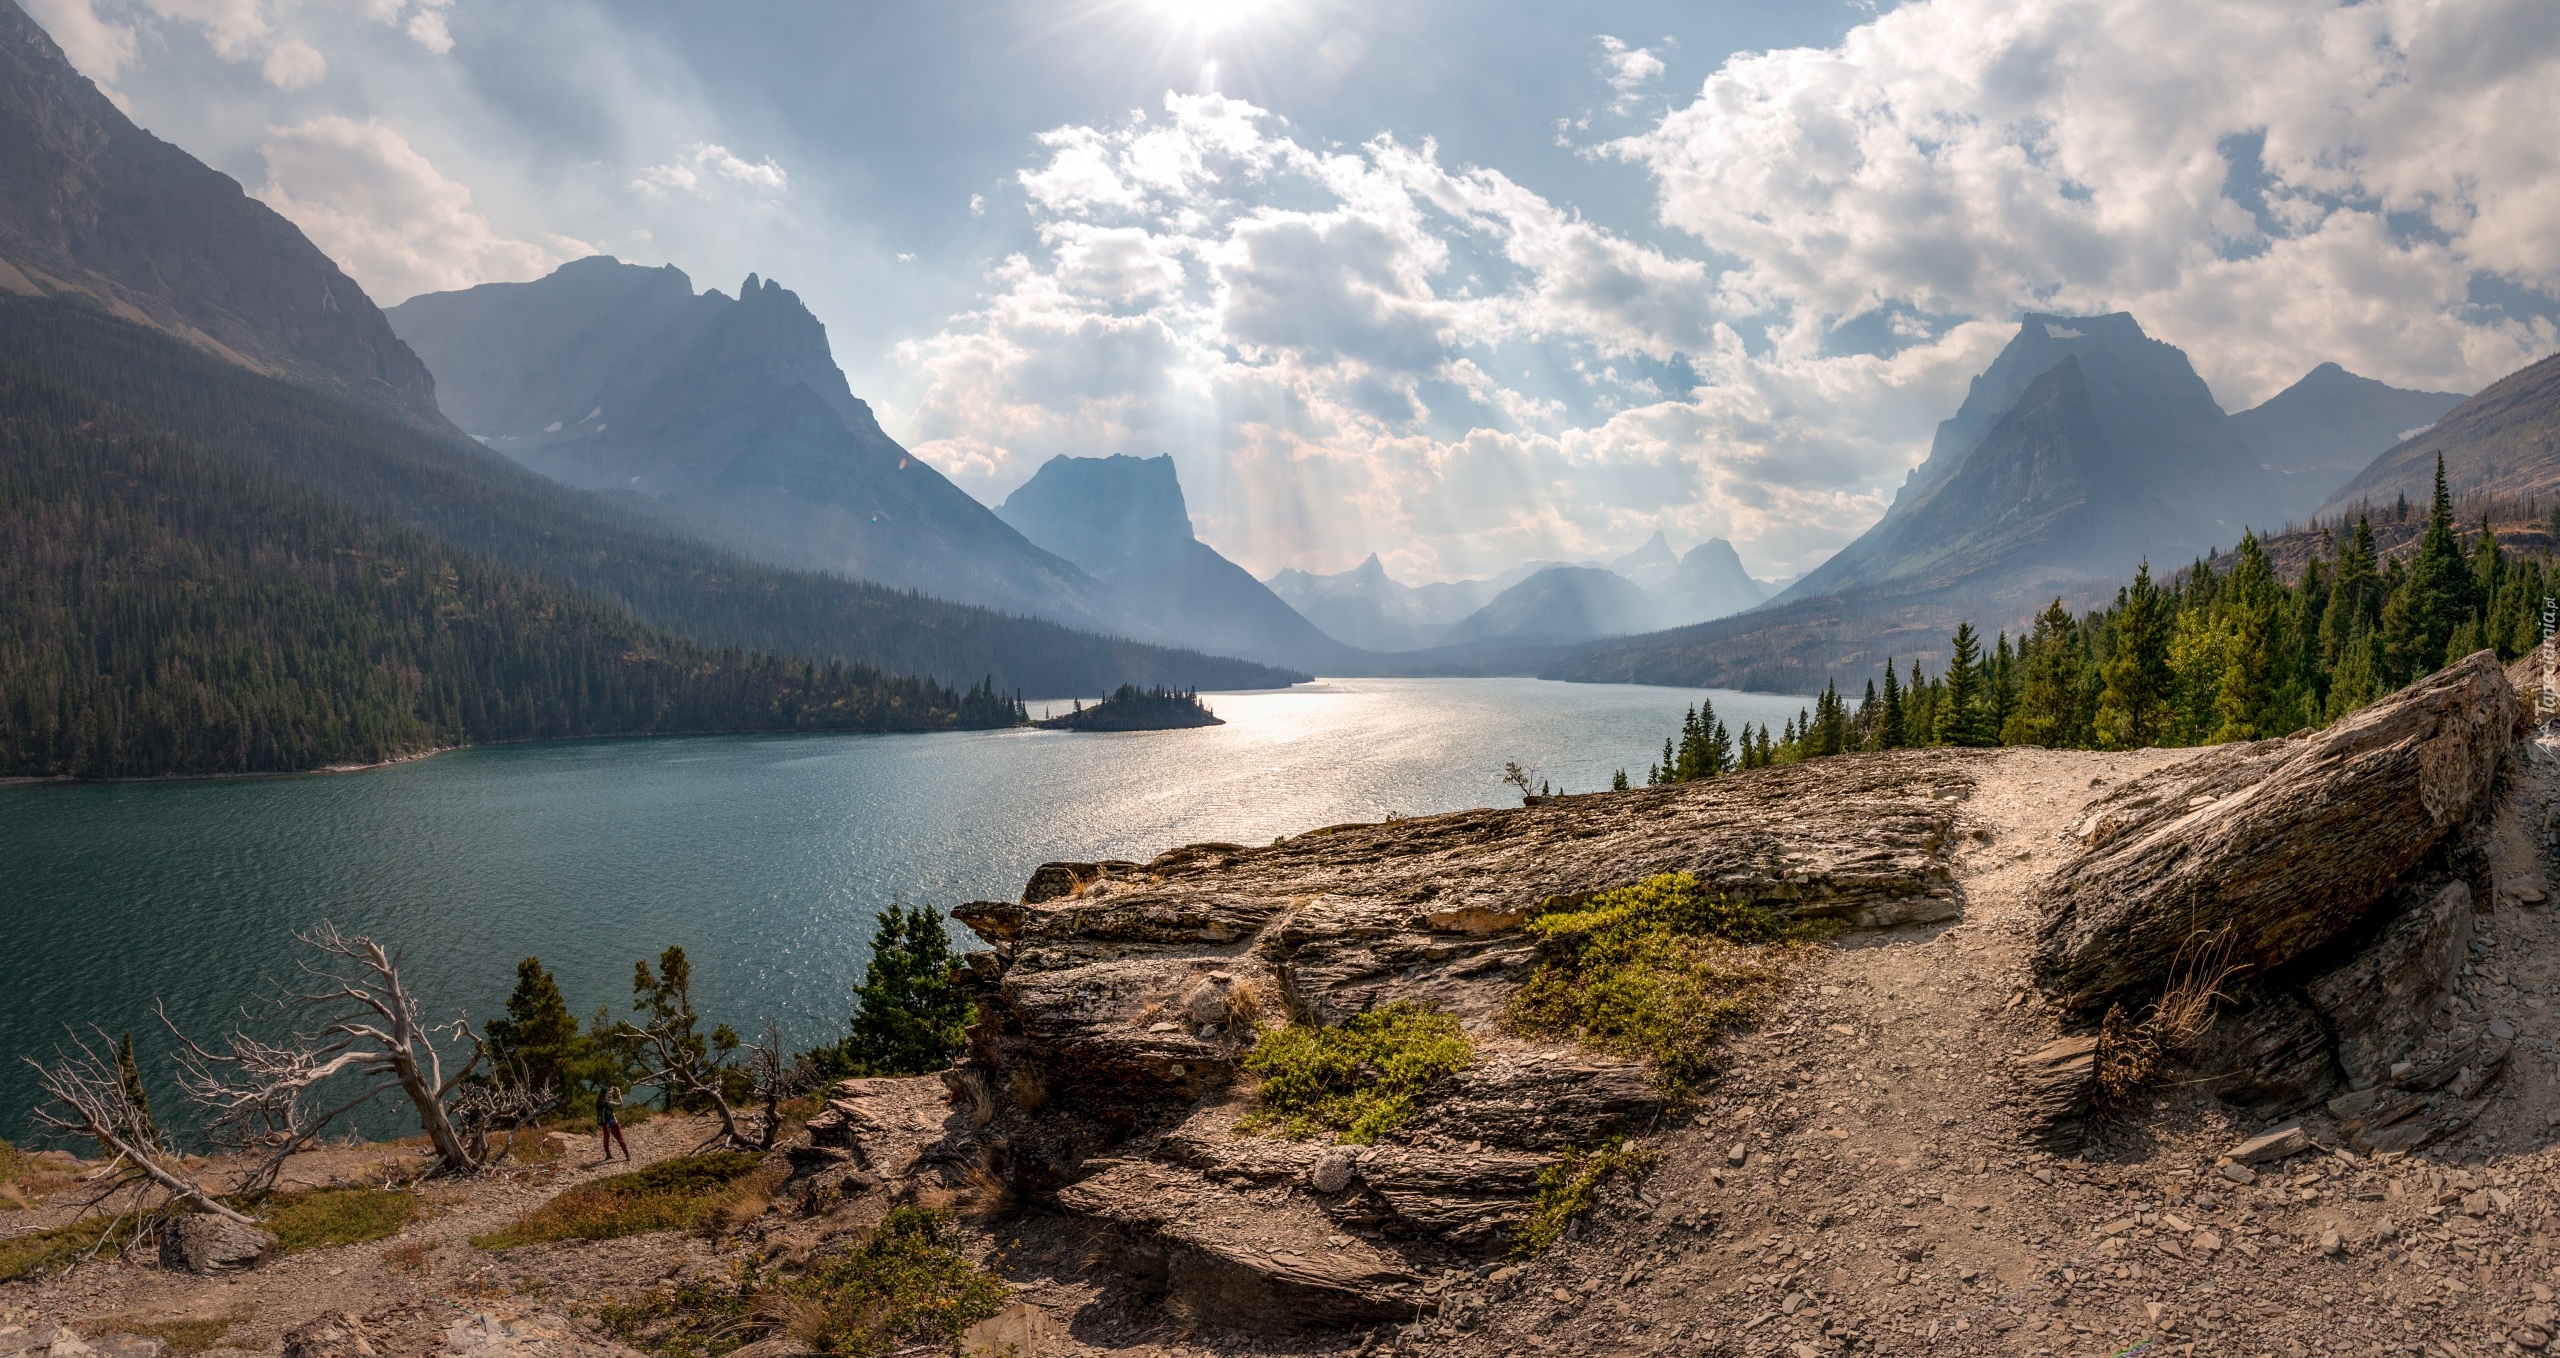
1460	282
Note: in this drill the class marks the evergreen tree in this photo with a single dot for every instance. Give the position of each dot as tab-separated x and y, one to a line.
538	1040
908	1019
1965	714
2134	708
666	999
145	1128
2439	594
2052	708
1891	728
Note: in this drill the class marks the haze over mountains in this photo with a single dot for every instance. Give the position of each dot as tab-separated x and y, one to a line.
253	542
728	416
2085	448
1123	520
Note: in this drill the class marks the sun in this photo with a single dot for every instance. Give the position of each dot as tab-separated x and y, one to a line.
1205	17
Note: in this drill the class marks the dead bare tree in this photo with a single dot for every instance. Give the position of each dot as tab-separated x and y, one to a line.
509	1100
776	1078
689	1067
351	1014
88	1095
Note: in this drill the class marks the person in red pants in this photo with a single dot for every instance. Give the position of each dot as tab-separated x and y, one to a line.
609	1122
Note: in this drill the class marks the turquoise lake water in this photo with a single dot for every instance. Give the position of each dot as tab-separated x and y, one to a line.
765	857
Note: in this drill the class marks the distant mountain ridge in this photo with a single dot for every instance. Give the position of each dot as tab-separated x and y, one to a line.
1538	603
728	417
2503	442
95	207
2332	424
2084	449
1124	521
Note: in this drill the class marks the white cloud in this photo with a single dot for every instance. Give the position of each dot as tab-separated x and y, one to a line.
1348	348
1630	68
1966	158
294	65
704	162
387	216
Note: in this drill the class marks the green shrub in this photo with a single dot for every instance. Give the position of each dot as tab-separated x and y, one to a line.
1657	971
909	1286
317	1218
671	1195
1357	1079
1570	1187
702	1318
35	1251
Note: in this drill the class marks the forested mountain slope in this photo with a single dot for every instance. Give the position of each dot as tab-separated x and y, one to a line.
166	608
91	204
475	500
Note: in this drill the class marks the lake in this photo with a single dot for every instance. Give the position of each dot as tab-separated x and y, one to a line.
765	857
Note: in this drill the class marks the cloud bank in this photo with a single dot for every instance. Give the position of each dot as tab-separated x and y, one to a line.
1360	347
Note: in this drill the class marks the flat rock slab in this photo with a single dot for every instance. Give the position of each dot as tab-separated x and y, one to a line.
1211	1256
2268	1147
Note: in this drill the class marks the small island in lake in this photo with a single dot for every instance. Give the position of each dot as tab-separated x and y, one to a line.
1131	708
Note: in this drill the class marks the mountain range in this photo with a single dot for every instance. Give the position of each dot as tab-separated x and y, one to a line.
2504	442
727	416
2085	448
1537	603
1124	522
241	501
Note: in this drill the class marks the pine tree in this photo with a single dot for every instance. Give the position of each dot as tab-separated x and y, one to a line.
2052	708
2438	594
908	1019
1891	728
2247	700
145	1129
2134	708
1965	713
538	1041
666	999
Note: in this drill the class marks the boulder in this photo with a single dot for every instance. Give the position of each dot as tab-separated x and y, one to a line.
2058	1083
211	1244
41	1340
2379	1002
2283	846
336	1334
1018	1331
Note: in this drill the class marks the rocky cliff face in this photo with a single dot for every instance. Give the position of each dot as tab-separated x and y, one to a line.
1124	521
92	205
729	417
1119	999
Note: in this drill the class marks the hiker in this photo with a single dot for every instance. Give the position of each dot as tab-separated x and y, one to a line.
609	1122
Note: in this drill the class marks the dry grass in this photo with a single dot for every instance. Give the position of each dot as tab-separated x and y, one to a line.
410	1256
192	1334
1244	1006
2133	1054
969	1091
671	1195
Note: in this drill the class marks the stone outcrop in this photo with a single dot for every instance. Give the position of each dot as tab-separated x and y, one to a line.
2342	870
210	1244
2285	846
1119	999
335	1334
